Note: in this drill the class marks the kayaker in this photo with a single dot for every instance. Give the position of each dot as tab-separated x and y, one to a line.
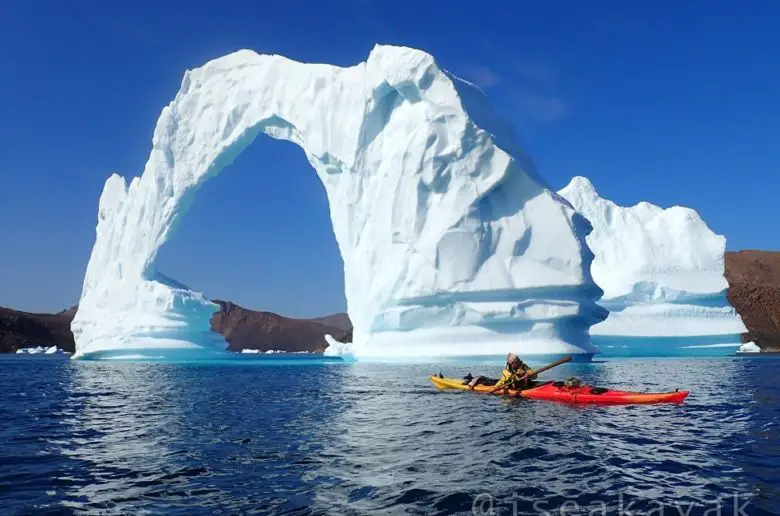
514	375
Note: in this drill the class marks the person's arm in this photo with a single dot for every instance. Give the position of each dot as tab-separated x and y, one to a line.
502	382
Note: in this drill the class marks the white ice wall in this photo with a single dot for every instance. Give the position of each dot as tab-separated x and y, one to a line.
661	270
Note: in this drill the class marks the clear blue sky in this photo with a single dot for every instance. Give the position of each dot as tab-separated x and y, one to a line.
671	102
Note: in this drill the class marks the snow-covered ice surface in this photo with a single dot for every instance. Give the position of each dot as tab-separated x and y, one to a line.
662	275
452	244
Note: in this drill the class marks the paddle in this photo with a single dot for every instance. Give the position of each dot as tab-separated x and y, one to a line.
542	369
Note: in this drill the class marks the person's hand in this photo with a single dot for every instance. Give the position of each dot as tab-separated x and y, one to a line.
497	388
523	380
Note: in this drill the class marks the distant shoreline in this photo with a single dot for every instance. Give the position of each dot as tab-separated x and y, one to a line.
241	327
754	291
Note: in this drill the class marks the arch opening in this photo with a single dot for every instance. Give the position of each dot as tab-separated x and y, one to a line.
259	235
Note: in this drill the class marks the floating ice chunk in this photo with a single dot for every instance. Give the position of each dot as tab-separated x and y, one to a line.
32	351
749	347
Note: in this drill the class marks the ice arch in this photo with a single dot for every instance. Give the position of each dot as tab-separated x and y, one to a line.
451	243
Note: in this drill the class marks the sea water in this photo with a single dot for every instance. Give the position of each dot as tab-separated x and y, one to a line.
331	438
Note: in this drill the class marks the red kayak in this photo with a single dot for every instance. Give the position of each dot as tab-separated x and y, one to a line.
600	396
556	391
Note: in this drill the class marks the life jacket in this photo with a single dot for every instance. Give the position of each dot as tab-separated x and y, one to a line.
510	376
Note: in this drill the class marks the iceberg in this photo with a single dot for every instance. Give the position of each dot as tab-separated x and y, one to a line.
662	275
452	243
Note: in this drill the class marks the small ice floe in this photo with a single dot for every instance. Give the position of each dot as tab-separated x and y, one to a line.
31	351
41	350
749	347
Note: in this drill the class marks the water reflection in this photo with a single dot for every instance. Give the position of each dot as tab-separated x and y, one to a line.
376	438
122	426
145	436
409	447
756	452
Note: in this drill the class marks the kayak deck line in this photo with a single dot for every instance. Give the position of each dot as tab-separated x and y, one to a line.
585	394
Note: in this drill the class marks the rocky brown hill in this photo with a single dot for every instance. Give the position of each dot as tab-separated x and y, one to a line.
243	329
28	330
340	321
754	291
248	329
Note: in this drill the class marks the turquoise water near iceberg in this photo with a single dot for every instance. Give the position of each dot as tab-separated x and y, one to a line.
706	346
